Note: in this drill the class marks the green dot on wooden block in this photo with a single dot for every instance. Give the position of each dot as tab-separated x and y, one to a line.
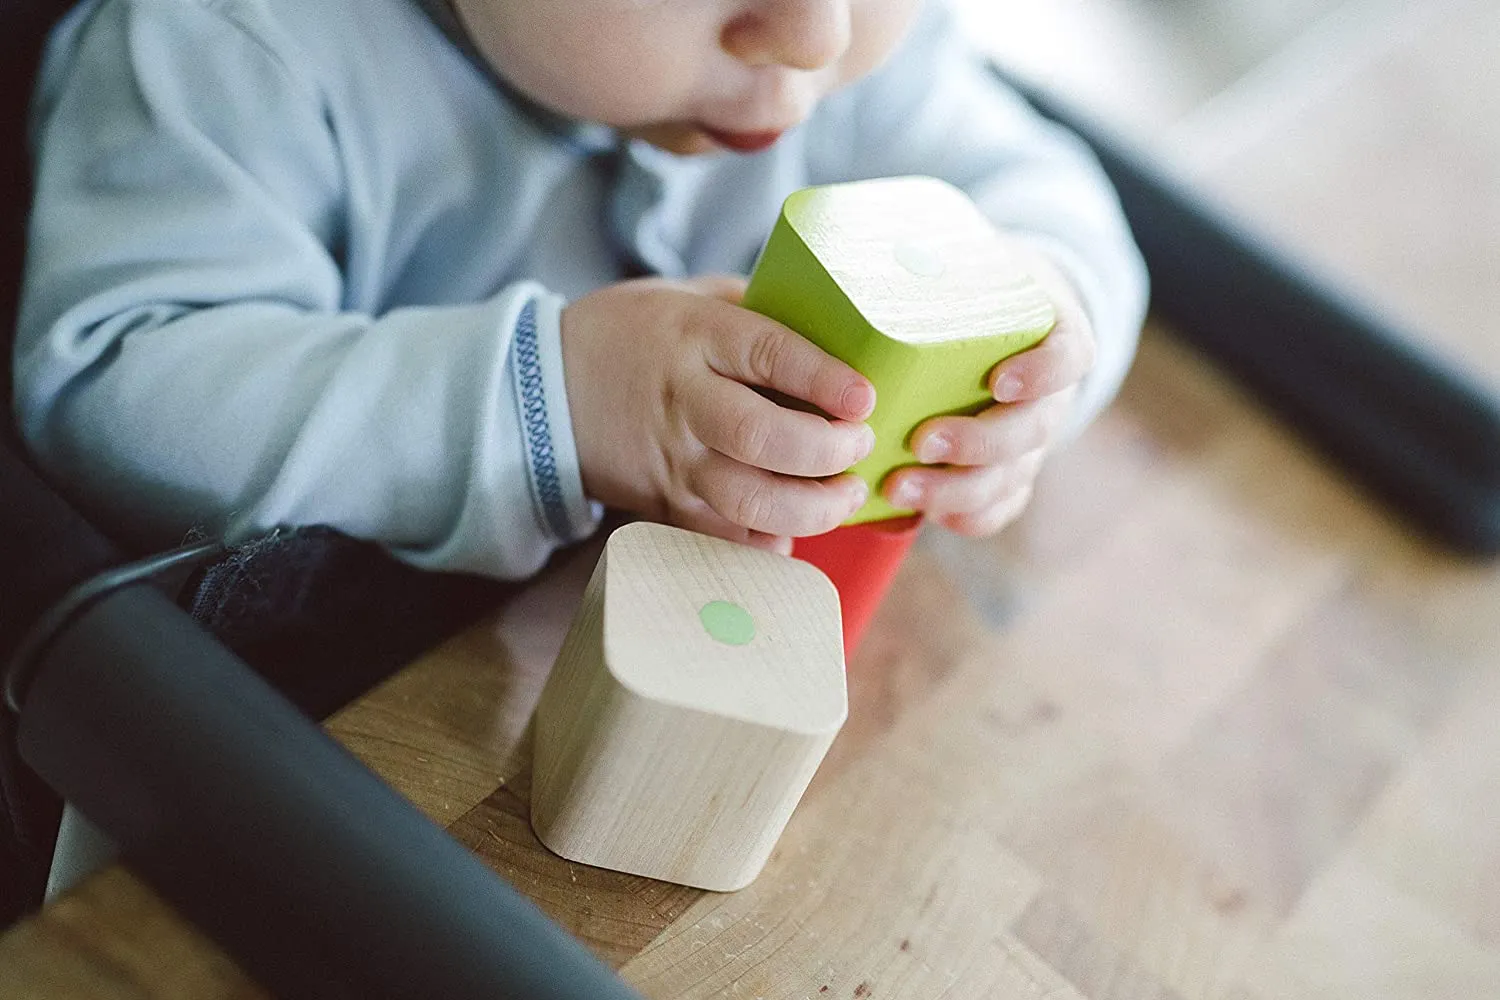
905	280
727	622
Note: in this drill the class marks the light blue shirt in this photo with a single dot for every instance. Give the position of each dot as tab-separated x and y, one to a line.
303	262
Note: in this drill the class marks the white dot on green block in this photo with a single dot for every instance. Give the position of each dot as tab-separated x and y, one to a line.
727	622
918	260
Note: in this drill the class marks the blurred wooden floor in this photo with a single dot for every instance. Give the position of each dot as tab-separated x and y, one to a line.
1207	723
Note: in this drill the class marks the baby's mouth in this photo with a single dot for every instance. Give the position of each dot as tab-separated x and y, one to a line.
743	142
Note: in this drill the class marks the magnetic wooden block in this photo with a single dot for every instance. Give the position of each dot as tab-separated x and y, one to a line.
695	695
908	282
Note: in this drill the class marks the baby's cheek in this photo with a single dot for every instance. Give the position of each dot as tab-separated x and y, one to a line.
876	29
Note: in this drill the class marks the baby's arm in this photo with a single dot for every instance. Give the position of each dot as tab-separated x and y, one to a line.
183	356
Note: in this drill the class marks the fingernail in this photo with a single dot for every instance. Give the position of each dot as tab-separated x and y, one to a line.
859	400
1008	387
907	494
935	448
866	441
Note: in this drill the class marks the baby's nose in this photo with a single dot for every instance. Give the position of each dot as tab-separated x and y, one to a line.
800	34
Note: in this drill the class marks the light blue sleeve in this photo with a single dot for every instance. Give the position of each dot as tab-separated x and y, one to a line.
184	357
937	109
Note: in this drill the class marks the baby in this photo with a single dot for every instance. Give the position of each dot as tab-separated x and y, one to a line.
455	276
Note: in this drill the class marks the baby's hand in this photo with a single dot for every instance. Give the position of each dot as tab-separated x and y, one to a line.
983	467
659	377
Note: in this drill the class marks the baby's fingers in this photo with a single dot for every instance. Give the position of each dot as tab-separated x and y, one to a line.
998	434
942	492
739	422
982	523
773	504
1061	360
754	350
705	520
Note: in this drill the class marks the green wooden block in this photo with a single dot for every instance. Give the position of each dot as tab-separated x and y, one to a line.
905	280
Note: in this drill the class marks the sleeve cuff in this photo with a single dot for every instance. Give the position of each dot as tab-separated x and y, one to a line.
535	362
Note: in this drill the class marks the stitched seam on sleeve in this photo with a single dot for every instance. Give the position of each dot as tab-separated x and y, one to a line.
546	484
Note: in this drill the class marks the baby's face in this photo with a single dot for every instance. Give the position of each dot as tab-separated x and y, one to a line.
690	76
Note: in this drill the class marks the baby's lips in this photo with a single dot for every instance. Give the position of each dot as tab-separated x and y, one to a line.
744	142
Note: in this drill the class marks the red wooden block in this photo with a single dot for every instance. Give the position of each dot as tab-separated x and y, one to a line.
861	560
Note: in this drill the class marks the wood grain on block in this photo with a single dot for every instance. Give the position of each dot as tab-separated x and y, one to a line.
695	695
905	280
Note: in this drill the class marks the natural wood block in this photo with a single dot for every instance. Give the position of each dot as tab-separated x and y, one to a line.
694	697
908	282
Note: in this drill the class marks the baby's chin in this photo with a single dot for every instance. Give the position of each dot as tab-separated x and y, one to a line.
675	137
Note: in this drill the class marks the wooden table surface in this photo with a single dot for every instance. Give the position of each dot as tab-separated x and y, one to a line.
1206	723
